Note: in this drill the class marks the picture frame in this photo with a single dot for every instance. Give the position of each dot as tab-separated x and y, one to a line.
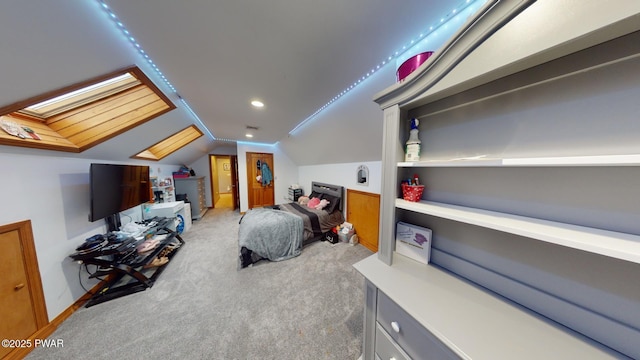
413	242
226	166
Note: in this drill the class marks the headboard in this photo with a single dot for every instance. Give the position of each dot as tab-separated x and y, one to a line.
329	189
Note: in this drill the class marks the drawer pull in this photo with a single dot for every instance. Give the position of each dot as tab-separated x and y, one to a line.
395	326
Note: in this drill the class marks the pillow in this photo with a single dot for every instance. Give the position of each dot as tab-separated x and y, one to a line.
323	203
313	202
315	195
334	203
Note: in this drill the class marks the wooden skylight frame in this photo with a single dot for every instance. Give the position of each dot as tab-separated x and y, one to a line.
173	143
82	122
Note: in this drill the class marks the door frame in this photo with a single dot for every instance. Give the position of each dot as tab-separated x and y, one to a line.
233	159
235	186
34	282
250	179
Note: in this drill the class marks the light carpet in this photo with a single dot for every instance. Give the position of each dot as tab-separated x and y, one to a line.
203	307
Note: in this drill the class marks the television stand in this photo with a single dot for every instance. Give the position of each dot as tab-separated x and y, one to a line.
128	271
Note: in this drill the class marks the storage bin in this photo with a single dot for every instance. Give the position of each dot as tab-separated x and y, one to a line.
412	192
345	237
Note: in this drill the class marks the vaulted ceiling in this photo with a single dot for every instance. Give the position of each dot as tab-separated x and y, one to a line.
295	56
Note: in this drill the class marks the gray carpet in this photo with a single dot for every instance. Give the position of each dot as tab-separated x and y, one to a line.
203	307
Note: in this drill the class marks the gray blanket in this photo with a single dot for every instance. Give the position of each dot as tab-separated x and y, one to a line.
272	234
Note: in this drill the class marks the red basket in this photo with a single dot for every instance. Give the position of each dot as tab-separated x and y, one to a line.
412	192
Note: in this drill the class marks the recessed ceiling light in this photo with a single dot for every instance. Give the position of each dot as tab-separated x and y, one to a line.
248	135
257	103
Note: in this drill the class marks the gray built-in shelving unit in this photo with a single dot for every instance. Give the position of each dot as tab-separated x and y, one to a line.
530	156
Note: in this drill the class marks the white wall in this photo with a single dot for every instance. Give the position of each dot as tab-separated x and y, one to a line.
341	174
285	172
224	176
202	168
53	192
348	130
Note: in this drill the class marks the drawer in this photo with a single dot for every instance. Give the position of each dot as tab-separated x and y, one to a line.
386	348
412	337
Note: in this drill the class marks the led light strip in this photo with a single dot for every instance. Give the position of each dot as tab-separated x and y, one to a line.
136	45
377	67
394	55
254	143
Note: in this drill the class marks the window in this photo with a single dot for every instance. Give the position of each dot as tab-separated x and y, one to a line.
81	116
169	145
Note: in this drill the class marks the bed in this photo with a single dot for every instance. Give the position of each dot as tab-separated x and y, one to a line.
280	232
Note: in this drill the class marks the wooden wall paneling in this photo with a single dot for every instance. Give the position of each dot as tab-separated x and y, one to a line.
49	139
363	211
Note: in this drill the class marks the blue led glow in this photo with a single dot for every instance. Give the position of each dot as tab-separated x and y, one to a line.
396	54
136	45
251	143
406	47
195	115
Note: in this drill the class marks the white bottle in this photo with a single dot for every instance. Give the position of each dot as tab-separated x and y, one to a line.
413	144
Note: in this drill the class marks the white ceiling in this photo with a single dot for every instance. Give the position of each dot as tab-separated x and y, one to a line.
294	55
220	54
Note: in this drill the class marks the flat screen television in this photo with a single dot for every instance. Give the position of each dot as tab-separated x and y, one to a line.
115	188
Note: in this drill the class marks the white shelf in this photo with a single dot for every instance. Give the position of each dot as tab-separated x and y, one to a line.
480	161
466	162
594	160
608	243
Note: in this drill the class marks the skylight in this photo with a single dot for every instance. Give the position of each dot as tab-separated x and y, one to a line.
80	116
76	98
169	145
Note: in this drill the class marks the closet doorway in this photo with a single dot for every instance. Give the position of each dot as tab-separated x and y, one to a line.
23	311
224	181
260	178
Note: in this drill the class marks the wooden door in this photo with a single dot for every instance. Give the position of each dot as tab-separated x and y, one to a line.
363	211
234	182
22	307
260	194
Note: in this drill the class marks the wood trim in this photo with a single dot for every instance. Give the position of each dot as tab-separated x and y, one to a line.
48	329
170	144
31	268
53	93
50	139
33	274
234	182
212	157
44	327
91	124
368	238
250	165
